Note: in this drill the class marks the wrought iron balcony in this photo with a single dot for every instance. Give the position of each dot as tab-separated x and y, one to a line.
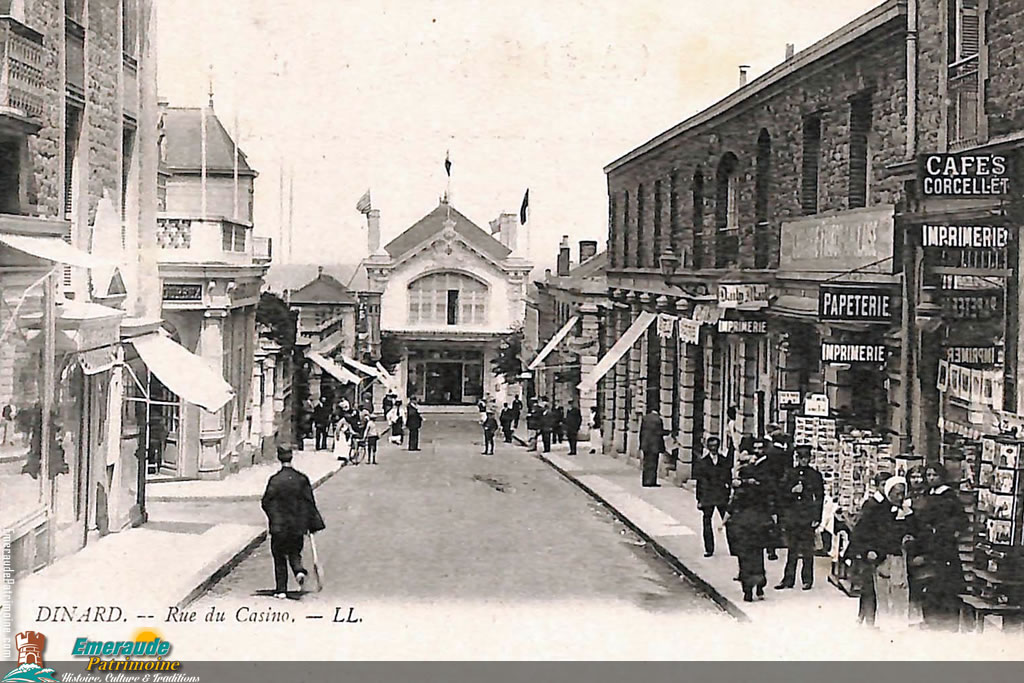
962	109
21	77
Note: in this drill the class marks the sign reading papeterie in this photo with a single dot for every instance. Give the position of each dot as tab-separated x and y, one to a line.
852	353
862	304
964	175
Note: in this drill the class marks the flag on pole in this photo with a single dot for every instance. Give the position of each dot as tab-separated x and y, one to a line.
523	210
448	164
363	205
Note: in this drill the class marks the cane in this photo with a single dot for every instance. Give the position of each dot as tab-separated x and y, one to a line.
317	569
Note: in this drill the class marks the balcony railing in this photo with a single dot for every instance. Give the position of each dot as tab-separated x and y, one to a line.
184	239
962	112
21	74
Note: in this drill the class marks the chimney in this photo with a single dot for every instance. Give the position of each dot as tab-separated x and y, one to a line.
743	74
790	49
563	256
588	249
373	230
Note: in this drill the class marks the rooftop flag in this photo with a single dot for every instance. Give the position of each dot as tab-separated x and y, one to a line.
448	164
524	209
363	205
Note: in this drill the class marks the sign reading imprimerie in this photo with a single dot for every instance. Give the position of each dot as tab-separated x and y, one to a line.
852	353
865	304
964	175
965	236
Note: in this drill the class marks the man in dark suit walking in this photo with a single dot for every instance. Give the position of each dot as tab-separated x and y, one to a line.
292	513
801	496
652	445
548	423
573	422
414	421
321	423
713	473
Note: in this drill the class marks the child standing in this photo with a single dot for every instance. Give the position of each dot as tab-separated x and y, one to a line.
490	428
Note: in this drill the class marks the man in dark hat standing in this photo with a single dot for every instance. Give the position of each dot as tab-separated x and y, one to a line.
652	445
292	513
778	454
801	498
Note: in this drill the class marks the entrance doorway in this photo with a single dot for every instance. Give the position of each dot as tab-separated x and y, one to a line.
444	383
448	377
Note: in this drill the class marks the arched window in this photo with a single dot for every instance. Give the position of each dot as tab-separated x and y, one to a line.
727	215
761	194
448	299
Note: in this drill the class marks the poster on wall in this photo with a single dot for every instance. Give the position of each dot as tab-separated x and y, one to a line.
689	330
942	381
816	405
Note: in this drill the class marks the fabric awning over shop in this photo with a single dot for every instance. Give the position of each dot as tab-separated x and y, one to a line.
53	249
183	372
553	342
624	344
361	367
333	369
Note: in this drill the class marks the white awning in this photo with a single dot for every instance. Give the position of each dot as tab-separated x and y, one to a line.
333	369
624	344
555	341
361	367
53	249
183	372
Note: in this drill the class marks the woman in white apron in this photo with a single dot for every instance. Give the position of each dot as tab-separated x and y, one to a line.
342	442
594	424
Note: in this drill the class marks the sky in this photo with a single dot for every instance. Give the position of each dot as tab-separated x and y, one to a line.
334	97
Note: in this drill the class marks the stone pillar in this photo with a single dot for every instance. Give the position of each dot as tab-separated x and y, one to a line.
609	328
271	425
637	386
714	411
212	425
689	356
749	350
622	396
667	370
591	330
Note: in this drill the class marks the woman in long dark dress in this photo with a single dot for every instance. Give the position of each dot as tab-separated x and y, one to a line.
747	524
940	575
917	493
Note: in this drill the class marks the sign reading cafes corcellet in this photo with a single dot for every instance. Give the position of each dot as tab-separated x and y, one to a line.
864	304
964	175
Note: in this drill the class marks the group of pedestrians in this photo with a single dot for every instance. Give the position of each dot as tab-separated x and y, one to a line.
768	496
548	423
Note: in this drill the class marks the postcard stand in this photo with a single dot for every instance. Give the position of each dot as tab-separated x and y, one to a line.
997	567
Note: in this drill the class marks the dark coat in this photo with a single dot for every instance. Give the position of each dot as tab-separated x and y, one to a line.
939	516
573	419
322	413
878	530
517	407
749	524
799	510
548	420
652	434
714	481
290	505
413	419
506	417
490	424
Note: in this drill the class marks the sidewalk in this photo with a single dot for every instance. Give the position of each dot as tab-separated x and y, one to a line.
668	518
168	561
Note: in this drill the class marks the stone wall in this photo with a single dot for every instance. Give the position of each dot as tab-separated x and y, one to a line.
878	64
46	150
1004	104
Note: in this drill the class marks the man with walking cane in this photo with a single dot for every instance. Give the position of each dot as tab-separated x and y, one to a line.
292	513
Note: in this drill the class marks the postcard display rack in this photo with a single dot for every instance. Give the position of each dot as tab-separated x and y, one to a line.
847	460
998	578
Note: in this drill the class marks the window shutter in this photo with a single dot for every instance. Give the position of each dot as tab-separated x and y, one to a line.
811	154
970	29
860	127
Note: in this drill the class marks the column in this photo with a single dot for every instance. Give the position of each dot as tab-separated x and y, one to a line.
271	428
690	418
608	412
211	425
667	370
748	357
637	387
714	411
591	330
622	397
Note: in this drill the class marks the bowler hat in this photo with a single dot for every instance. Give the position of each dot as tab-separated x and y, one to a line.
284	454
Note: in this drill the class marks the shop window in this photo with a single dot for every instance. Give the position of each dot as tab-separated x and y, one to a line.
964	106
727	212
860	156
811	162
698	219
762	192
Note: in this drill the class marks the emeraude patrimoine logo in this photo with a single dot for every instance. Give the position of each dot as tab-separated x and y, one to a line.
30	668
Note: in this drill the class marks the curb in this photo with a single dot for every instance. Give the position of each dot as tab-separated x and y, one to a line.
710	591
237	498
218	570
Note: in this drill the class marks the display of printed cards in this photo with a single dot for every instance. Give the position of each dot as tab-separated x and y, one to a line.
1002	481
988	450
999	532
1009	455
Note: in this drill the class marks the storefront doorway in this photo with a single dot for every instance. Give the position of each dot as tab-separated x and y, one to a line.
445	377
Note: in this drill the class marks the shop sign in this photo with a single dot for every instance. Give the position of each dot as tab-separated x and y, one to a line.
964	175
856	240
862	304
789	399
816	405
666	325
689	330
852	353
731	296
743	326
972	304
972	356
704	313
174	292
965	236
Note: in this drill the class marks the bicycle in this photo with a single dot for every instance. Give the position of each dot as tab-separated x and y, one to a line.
357	452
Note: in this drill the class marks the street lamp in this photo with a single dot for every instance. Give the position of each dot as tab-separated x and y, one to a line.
669	263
